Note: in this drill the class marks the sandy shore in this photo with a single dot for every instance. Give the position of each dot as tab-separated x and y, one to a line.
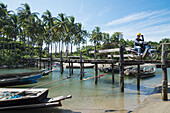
154	103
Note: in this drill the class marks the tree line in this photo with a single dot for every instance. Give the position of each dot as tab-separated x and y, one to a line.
23	34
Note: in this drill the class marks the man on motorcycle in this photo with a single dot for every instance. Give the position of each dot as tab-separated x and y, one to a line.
138	43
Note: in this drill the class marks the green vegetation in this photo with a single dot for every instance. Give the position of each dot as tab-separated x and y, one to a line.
23	35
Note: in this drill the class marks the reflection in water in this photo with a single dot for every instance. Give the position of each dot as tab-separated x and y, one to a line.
88	97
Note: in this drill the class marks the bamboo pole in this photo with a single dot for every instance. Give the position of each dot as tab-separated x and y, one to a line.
164	76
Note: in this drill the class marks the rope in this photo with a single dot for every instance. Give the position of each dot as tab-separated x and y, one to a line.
72	82
42	85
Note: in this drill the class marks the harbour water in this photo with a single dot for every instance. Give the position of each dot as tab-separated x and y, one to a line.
91	98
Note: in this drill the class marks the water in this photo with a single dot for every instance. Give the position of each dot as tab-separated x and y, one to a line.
91	98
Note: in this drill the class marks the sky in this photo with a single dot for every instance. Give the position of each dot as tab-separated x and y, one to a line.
149	17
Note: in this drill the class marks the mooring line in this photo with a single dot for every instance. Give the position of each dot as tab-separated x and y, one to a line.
41	85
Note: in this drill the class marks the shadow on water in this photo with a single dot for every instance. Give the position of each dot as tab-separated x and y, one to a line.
40	110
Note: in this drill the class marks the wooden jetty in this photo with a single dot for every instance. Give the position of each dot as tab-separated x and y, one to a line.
163	63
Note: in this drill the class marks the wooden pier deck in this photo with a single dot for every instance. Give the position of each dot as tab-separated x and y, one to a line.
163	63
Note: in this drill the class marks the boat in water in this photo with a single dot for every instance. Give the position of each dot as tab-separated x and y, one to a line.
20	80
109	69
144	73
17	98
9	75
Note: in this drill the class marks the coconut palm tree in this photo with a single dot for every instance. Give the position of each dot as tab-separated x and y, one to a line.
25	17
15	28
3	16
96	37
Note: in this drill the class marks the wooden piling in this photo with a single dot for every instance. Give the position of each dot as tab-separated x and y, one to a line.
81	66
121	71
71	64
69	68
138	77
37	62
44	64
61	63
164	76
113	79
40	62
96	67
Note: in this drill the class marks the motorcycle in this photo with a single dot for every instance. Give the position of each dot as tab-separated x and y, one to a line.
146	52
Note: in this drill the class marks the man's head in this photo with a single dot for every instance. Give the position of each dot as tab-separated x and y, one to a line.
138	35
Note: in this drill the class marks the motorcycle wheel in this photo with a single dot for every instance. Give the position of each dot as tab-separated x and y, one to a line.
153	55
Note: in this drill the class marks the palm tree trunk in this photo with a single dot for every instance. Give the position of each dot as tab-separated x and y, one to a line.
8	44
55	49
51	54
3	46
24	44
32	53
15	46
28	46
59	46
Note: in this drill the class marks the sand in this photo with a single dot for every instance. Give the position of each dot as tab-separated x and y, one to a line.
154	103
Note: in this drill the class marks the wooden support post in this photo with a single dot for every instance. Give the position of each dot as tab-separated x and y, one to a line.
44	64
40	62
164	76
96	67
37	62
113	78
81	66
69	68
121	71
61	63
138	78
96	73
48	64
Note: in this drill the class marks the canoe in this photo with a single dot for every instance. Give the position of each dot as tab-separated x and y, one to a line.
9	75
20	80
27	98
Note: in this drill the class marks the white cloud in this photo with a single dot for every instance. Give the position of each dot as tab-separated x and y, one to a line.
134	17
154	25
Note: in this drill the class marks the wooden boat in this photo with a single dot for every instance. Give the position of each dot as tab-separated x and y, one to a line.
27	98
109	69
20	80
47	72
9	75
144	73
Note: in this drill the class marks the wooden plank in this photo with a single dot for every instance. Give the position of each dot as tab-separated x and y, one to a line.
40	105
117	56
110	50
